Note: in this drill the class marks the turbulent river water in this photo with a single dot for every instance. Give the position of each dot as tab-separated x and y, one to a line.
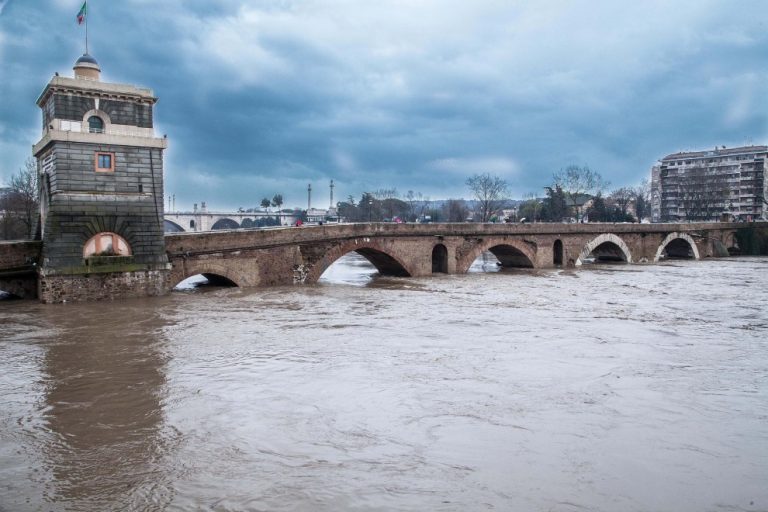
608	388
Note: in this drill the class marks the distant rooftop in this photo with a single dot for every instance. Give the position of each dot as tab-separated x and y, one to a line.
722	151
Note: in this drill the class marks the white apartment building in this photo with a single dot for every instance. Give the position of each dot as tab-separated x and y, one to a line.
710	185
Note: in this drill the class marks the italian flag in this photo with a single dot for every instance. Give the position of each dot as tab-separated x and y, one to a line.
81	14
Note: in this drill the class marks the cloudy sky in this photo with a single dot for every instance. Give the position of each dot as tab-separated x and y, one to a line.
266	96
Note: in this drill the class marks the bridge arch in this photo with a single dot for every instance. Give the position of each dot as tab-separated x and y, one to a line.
171	227
380	257
216	274
677	245
509	252
225	223
608	247
10	292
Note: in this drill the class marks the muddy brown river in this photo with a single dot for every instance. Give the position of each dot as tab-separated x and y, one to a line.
608	388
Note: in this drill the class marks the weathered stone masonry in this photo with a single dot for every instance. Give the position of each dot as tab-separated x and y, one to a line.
101	176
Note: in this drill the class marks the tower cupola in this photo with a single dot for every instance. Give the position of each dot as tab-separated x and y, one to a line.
86	68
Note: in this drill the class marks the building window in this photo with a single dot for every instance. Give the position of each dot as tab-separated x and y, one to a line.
95	124
105	162
106	244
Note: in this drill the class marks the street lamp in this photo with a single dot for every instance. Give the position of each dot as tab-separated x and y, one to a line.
370	208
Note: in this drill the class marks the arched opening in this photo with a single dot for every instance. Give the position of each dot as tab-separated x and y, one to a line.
439	259
192	224
106	244
557	253
4	295
606	252
95	124
225	224
352	269
171	227
384	263
605	248
354	262
677	246
247	223
678	249
510	256
204	281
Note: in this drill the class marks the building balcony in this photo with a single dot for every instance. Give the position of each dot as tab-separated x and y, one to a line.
118	135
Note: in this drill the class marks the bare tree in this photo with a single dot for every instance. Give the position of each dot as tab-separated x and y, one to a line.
702	194
455	210
490	192
642	200
576	182
20	204
622	197
386	196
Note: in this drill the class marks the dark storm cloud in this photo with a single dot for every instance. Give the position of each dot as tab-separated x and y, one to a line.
264	97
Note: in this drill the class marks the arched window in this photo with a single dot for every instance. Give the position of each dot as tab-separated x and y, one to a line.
106	244
95	124
192	224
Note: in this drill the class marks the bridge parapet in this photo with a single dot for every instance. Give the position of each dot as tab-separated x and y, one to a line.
237	239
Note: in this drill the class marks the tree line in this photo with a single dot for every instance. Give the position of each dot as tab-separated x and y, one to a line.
575	194
578	193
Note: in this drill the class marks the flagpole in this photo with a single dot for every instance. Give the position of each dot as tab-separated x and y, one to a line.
86	26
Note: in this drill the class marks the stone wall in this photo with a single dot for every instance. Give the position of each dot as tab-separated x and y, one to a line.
107	286
67	106
83	202
73	107
126	112
18	267
19	253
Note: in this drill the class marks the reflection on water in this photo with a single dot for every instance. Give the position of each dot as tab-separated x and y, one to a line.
607	388
94	420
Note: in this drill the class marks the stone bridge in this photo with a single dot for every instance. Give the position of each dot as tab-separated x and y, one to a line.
282	256
301	255
203	220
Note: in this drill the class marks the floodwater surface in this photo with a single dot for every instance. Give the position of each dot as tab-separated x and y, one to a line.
609	388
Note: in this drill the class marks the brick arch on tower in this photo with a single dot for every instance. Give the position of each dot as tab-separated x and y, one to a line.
109	224
600	240
526	249
380	254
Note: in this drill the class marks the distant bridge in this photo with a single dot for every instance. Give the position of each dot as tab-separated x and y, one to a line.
203	220
283	256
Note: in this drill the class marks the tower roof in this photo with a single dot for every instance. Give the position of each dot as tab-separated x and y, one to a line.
87	67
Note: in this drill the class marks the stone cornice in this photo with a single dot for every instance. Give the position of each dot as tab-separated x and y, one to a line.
95	88
98	138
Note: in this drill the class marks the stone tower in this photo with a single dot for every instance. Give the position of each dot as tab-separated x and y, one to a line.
101	190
